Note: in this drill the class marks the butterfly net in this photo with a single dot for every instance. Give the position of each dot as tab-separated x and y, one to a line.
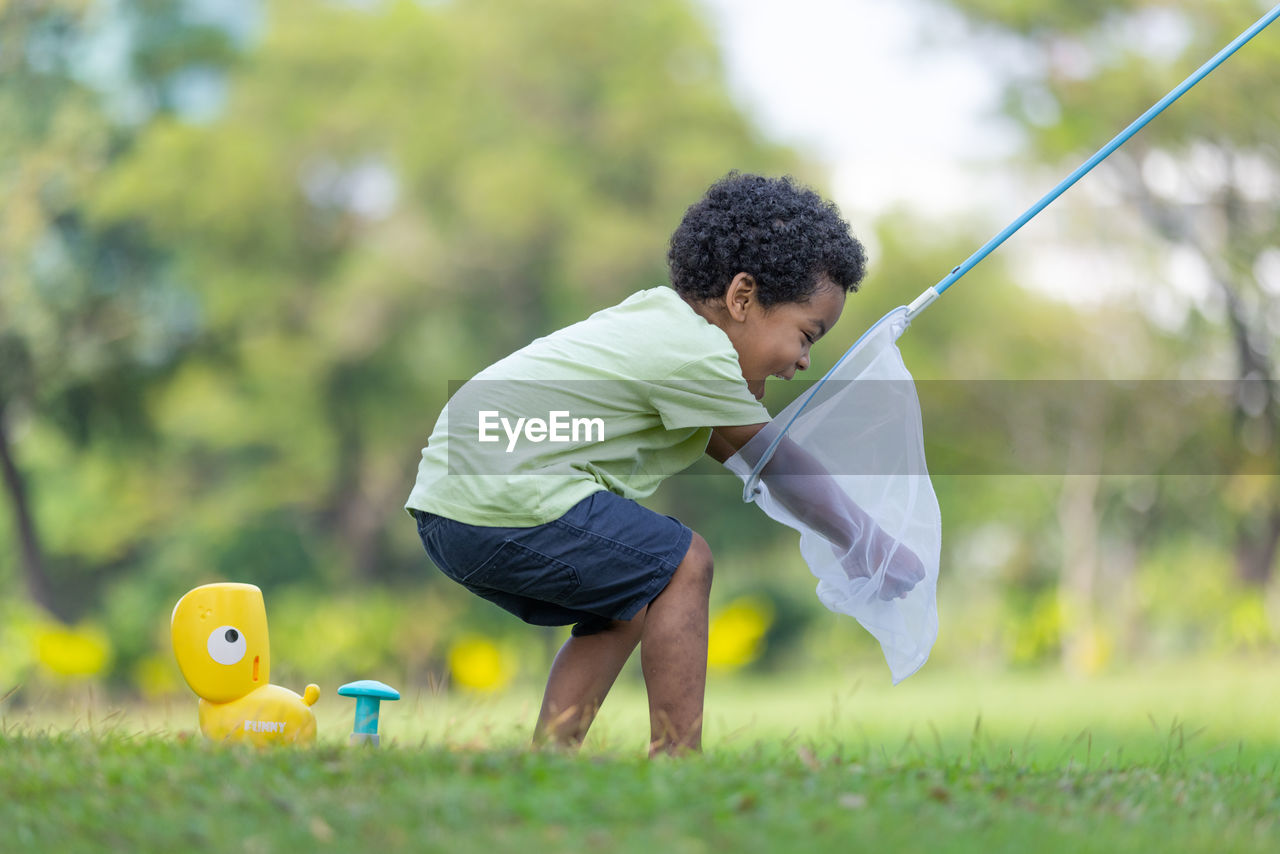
844	465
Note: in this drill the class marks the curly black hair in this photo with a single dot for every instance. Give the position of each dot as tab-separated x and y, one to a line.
782	234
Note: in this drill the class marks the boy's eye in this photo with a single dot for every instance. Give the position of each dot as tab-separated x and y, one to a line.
809	338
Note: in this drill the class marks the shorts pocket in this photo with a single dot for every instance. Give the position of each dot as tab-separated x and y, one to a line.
516	568
426	521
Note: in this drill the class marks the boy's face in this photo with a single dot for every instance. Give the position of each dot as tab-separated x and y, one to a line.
775	342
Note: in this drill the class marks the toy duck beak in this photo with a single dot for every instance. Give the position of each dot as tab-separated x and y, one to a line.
255	668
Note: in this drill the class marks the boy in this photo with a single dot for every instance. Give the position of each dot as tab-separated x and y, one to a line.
551	530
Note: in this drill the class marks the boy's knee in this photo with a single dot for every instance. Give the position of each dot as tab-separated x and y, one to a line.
697	567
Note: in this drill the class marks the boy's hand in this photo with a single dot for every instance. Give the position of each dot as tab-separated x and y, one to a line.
903	572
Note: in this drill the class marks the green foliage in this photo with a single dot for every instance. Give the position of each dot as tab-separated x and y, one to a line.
1183	200
325	255
225	335
381	180
89	319
1181	581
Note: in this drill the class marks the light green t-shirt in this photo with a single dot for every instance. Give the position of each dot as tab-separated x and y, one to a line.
619	401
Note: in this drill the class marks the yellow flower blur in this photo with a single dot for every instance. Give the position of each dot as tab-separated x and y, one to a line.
737	633
477	664
72	652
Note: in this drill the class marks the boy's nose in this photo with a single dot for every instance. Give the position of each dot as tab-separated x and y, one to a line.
803	364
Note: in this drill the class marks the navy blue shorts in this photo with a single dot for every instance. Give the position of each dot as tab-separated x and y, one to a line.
604	560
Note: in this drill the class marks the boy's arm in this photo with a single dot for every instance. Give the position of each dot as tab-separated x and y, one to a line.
803	485
816	501
725	441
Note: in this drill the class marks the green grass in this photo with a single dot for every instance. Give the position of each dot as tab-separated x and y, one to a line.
1179	758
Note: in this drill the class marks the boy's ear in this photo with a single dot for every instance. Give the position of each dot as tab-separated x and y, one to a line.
740	294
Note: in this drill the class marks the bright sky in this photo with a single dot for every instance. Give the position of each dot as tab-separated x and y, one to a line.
885	92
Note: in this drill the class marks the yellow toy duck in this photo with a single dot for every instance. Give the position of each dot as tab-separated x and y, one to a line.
220	640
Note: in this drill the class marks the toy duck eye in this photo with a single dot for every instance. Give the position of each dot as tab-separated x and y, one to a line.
226	645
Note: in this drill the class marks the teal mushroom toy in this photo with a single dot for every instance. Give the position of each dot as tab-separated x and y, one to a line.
368	693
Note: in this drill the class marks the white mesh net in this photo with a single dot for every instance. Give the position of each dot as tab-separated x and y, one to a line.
844	465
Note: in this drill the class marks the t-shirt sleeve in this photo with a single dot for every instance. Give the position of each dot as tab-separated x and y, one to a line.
707	392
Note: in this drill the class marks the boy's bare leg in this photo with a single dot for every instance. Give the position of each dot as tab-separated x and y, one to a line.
581	676
673	654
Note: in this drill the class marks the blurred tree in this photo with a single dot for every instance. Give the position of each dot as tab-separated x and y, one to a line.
395	195
87	314
1201	179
